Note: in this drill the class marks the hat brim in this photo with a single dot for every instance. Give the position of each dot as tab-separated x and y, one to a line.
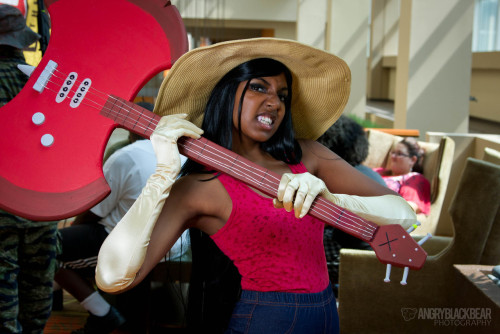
19	39
321	81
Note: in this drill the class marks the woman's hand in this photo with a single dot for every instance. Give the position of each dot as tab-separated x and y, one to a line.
298	191
164	139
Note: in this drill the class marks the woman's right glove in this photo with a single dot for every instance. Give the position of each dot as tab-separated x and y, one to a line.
298	191
122	253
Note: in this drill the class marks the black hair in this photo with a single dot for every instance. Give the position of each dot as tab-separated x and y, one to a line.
348	139
218	118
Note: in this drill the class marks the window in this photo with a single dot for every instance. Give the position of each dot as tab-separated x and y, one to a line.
485	32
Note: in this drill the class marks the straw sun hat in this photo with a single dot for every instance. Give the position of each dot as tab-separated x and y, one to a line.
321	81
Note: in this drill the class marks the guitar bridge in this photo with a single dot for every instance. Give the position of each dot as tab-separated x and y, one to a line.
45	76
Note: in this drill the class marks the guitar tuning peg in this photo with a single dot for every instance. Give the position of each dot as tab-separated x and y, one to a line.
413	227
387	273
424	239
405	276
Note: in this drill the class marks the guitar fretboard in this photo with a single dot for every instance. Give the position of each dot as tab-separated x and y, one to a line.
143	122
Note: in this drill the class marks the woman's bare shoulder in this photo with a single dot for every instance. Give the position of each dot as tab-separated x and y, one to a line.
197	185
315	155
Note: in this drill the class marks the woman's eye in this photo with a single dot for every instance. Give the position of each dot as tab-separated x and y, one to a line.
257	88
283	97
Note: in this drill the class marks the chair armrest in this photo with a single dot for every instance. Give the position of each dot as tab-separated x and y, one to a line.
398	132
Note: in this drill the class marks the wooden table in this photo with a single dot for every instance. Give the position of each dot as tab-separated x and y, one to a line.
476	274
477	290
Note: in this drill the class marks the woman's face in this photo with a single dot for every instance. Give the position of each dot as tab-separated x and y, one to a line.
401	162
263	107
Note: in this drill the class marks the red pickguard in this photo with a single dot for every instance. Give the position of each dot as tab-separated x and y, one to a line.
119	45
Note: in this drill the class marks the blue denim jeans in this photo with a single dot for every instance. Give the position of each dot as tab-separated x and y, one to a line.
281	312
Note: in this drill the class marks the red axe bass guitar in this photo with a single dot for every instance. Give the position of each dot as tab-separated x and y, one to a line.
53	137
56	129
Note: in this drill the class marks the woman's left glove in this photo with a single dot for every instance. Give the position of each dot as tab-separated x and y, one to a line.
298	191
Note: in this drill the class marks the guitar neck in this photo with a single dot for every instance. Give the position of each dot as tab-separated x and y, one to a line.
143	122
130	116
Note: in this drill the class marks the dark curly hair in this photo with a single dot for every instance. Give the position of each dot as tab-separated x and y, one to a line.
348	139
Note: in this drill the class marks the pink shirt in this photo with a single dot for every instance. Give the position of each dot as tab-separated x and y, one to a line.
272	250
413	187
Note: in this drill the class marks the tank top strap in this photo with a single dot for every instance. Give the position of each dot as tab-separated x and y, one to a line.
298	168
233	186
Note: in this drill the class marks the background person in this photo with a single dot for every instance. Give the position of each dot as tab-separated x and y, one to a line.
126	172
347	139
28	249
405	176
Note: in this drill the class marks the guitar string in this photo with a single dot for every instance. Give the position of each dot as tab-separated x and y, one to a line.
371	229
319	207
352	217
320	202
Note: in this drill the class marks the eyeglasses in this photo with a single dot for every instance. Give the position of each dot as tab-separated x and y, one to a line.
400	154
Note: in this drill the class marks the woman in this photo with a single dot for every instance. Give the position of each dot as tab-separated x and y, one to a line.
405	178
257	107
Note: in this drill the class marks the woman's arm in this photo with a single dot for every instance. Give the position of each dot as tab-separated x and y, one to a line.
123	252
339	176
342	185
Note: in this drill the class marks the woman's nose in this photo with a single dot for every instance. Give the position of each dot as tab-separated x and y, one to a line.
273	101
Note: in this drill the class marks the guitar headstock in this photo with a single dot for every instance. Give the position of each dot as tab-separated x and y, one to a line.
393	245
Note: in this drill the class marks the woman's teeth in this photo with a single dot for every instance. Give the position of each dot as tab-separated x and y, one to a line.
264	119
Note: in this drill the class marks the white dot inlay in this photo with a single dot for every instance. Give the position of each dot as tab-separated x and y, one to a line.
38	118
47	140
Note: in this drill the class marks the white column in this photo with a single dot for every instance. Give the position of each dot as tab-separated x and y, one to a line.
311	22
434	65
383	46
348	33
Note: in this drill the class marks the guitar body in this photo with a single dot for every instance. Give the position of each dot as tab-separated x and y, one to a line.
119	45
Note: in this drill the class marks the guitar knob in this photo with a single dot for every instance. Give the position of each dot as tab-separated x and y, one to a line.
405	276
38	118
47	140
387	273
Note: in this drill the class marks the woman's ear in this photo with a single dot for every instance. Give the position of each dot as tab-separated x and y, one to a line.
413	160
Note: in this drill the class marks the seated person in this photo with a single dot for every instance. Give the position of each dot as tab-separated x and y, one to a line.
126	172
348	139
405	176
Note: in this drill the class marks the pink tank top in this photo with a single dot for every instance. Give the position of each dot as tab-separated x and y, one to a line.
272	250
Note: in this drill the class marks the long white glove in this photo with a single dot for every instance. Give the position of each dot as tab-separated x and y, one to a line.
122	253
382	210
